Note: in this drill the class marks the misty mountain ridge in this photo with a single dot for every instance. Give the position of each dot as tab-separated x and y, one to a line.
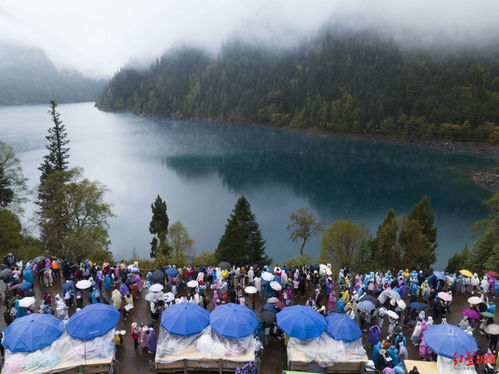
342	82
27	76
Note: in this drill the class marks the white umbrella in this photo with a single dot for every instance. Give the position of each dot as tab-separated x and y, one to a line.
250	289
84	284
401	304
492	329
474	300
156	287
168	297
273	300
275	286
392	314
152	296
266	276
192	283
26	302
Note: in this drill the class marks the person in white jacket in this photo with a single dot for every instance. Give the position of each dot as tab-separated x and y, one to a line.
61	309
475	282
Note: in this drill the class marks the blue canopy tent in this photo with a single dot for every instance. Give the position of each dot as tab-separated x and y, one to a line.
342	327
301	322
233	320
440	275
93	321
185	319
447	340
33	332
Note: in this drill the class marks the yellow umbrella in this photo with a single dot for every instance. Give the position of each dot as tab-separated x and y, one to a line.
466	273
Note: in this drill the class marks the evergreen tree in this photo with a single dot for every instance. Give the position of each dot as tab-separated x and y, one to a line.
385	245
6	191
57	158
242	242
159	227
12	182
422	213
417	252
459	261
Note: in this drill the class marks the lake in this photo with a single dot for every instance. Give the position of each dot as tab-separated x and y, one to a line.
201	168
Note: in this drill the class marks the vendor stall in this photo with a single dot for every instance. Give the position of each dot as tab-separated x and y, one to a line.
186	342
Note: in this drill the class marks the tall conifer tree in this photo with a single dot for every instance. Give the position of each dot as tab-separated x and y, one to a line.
242	242
159	226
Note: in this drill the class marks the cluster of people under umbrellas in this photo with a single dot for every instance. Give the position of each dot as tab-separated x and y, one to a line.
393	308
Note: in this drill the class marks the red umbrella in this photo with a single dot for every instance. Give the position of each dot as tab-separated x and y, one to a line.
471	313
492	274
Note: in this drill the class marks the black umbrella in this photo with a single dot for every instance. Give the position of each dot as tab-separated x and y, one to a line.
373	300
157	276
224	265
5	274
268	316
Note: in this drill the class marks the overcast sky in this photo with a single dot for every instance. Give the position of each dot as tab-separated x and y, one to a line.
98	36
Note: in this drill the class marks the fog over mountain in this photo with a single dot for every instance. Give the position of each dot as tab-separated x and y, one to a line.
97	37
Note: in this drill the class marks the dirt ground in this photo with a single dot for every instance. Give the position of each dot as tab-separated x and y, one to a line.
273	360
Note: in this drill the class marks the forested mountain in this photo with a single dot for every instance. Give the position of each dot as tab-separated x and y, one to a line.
356	83
27	76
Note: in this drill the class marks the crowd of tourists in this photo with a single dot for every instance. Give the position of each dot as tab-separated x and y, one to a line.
393	308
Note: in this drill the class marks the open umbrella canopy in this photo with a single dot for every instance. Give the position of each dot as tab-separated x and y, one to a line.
370	298
38	259
185	319
392	314
416	305
448	340
158	276
266	276
33	332
440	275
474	300
5	273
445	296
268	316
272	300
224	265
466	273
301	322
24	286
156	287
492	274
275	286
171	272
471	313
487	314
192	283
366	305
168	297
83	284
26	302
233	320
342	327
251	289
93	321
492	329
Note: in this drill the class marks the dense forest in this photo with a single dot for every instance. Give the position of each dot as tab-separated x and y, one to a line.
27	76
341	82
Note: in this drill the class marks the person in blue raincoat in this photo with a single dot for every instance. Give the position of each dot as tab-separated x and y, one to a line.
394	355
107	282
399	369
400	338
28	275
341	305
95	296
376	350
20	312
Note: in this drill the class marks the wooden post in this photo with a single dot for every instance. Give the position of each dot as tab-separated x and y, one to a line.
185	366
220	367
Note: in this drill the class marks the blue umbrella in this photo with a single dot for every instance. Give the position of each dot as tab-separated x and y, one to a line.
24	286
172	272
448	340
440	275
342	327
233	320
416	305
92	321
185	319
33	332
366	305
301	322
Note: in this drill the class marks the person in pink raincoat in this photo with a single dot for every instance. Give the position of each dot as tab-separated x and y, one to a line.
138	281
331	302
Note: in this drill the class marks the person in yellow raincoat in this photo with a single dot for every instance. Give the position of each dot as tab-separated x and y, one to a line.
346	296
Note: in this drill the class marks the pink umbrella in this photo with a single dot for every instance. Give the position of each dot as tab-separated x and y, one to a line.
492	274
471	313
445	296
